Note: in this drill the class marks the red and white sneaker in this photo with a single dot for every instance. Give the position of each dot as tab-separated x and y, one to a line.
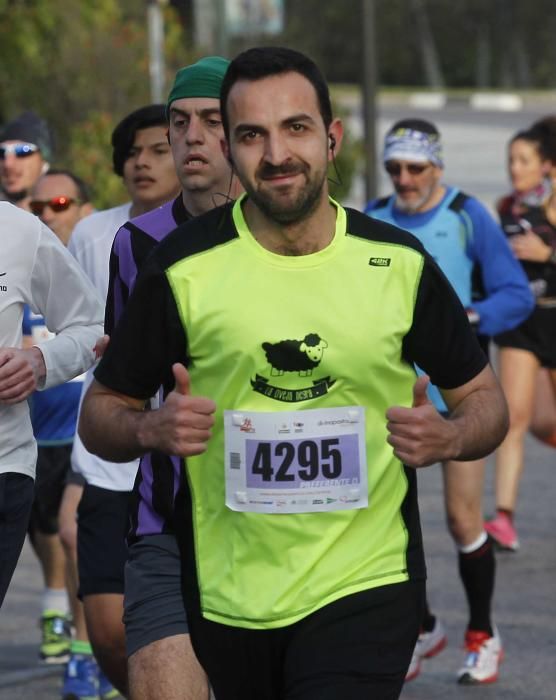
483	655
503	532
429	644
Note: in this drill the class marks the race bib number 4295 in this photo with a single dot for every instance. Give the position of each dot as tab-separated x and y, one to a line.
296	461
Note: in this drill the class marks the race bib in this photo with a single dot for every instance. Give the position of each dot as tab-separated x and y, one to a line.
296	461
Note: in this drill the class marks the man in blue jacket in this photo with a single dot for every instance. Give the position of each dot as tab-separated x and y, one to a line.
473	253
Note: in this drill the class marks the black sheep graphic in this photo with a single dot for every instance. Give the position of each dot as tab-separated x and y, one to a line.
295	355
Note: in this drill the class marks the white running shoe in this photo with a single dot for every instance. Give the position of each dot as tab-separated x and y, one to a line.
429	644
483	656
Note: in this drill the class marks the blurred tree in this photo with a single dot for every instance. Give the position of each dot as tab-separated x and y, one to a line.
490	43
82	66
431	63
348	161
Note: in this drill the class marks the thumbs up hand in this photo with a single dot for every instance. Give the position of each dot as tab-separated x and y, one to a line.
419	435
181	375
182	425
420	387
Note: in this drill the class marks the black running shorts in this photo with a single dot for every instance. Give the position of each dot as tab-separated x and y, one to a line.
536	335
357	648
102	525
53	473
153	603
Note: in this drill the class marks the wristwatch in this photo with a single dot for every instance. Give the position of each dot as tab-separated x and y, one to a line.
552	257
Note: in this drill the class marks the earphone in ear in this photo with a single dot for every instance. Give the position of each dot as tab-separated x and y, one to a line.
332	145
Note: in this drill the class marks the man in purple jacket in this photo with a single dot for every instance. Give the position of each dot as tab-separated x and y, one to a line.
156	632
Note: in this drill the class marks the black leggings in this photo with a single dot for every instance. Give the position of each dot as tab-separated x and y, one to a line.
16	499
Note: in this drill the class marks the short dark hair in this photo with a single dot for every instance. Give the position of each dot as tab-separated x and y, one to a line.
421	125
533	136
543	131
123	135
82	189
264	61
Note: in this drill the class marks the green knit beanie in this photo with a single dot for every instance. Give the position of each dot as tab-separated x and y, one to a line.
201	79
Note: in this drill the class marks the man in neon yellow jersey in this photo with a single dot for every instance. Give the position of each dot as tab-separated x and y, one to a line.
284	329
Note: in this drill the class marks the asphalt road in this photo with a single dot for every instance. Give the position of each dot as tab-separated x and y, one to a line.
525	602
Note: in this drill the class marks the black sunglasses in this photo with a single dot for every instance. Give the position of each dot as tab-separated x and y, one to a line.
394	168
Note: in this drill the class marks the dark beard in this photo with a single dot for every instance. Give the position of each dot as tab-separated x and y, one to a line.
301	208
15	196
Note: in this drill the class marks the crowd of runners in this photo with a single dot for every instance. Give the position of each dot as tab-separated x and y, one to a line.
220	480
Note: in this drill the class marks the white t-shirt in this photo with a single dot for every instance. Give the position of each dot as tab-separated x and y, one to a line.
36	269
91	243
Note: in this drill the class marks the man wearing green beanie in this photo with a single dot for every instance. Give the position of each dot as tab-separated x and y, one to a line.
195	134
161	662
201	79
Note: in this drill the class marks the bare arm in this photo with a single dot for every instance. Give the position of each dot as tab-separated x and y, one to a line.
477	423
117	428
530	246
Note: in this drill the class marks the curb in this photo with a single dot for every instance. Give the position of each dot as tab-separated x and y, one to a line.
438	99
487	101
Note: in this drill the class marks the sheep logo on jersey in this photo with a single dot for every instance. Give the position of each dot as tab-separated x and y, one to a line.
299	356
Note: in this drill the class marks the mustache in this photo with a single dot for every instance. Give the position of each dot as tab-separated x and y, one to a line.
269	170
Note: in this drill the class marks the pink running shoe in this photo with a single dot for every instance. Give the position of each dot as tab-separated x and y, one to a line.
503	532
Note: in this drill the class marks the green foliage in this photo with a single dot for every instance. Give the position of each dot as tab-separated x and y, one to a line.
82	65
90	158
508	42
348	161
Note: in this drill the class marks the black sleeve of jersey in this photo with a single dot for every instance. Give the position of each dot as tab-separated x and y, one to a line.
114	278
142	245
441	340
147	339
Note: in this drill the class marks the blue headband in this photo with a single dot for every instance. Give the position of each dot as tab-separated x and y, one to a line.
416	146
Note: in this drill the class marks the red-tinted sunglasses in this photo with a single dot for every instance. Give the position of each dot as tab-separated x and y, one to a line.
57	204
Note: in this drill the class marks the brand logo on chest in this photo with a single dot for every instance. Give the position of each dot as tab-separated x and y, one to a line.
380	262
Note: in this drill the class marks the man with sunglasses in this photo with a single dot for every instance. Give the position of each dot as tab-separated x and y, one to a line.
472	251
60	199
156	636
25	154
